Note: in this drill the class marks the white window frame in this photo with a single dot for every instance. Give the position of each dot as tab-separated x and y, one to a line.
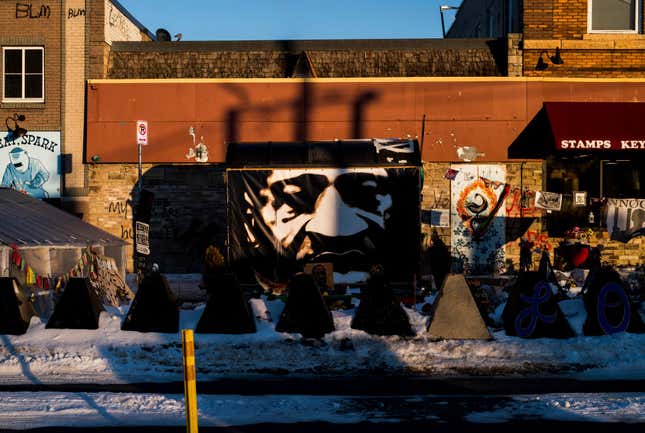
23	74
637	22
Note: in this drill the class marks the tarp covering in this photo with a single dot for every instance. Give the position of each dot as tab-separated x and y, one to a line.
280	219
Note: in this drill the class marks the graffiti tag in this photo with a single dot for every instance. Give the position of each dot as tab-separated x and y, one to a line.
541	294
26	10
607	308
118	208
71	13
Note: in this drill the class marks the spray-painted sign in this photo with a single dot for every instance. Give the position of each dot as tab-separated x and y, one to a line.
31	163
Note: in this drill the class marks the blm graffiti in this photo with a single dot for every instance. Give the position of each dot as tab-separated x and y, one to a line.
353	218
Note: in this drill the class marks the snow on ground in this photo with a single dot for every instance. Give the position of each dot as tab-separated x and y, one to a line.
109	355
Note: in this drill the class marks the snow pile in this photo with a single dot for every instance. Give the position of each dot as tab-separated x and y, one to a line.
109	355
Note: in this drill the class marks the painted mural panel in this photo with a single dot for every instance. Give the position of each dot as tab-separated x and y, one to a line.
354	218
477	217
30	163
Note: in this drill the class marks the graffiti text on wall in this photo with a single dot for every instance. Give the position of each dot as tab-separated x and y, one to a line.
27	10
115	19
120	209
73	13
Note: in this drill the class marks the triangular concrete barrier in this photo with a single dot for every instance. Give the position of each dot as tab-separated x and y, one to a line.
154	308
79	307
609	308
379	312
15	308
456	314
305	311
227	311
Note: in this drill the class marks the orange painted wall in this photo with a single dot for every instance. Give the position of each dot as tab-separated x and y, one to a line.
486	113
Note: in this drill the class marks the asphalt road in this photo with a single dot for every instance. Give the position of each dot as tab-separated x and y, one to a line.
360	385
404	404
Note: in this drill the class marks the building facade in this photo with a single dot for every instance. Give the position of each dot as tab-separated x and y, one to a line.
49	50
599	42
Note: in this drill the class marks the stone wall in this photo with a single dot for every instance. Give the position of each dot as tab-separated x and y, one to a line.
423	58
189	209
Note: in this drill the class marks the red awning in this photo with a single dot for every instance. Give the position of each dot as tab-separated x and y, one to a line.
597	126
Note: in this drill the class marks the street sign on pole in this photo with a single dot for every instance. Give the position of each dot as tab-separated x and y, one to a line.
142	231
142	132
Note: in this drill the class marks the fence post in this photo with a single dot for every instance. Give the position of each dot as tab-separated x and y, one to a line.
190	386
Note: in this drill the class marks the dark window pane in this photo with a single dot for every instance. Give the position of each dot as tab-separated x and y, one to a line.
34	86
12	86
613	14
33	61
622	179
12	61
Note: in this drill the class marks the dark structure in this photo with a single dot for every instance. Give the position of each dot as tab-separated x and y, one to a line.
227	310
380	312
15	308
154	308
609	309
305	311
79	307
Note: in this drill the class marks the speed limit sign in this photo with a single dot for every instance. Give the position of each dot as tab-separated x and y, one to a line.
142	132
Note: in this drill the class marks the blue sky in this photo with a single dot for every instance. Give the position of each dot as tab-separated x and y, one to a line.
292	19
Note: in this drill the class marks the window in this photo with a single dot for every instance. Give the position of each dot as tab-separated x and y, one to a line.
23	74
613	16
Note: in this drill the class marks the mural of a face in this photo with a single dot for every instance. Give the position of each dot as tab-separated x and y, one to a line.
20	160
327	215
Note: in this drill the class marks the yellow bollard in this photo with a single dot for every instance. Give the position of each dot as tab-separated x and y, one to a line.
190	386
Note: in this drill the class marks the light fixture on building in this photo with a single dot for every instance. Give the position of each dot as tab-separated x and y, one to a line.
556	59
442	9
17	131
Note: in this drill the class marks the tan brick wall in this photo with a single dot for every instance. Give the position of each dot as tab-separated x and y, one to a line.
74	92
583	63
33	29
563	23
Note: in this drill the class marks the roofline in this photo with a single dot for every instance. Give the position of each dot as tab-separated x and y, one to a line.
303	45
360	80
135	21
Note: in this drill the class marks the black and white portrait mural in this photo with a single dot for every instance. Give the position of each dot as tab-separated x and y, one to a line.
281	219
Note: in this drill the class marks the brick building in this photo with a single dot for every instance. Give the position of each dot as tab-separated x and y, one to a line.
602	39
596	42
49	50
